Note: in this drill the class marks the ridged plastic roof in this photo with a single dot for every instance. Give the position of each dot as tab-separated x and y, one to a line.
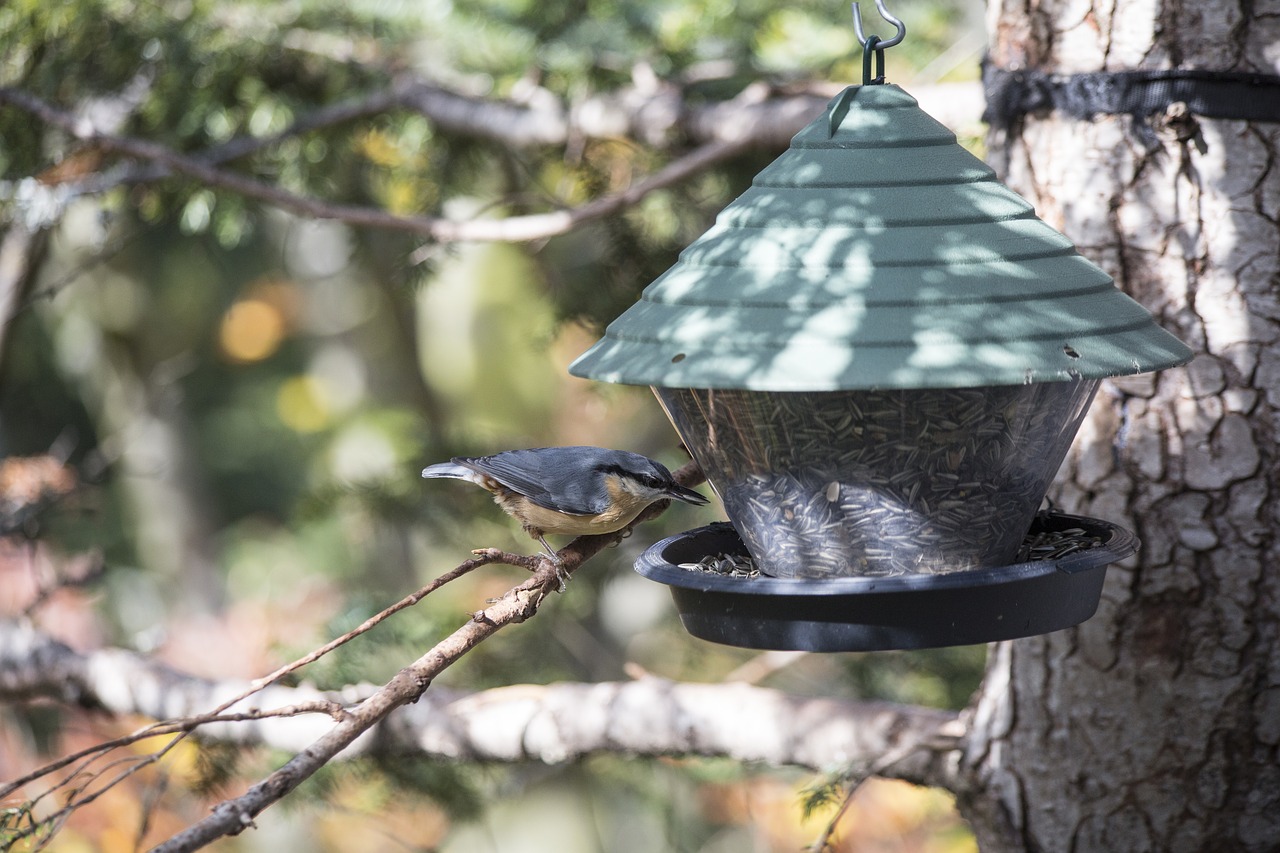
878	253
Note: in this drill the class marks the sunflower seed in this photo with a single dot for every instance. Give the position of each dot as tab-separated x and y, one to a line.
878	483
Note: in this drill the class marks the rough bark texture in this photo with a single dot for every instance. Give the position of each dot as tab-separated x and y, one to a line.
1155	725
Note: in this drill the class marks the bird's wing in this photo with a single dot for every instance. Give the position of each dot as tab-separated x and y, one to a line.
529	472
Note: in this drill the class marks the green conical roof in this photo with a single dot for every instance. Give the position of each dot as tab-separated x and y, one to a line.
878	253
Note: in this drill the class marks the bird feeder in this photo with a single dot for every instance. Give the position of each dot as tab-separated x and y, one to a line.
879	356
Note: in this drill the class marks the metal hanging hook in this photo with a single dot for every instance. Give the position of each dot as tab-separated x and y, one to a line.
884	13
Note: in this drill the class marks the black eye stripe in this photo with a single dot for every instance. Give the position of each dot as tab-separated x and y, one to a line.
645	479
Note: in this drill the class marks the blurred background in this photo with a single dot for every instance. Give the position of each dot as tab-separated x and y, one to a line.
246	398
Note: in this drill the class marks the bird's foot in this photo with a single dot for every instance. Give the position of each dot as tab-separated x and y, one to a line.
561	574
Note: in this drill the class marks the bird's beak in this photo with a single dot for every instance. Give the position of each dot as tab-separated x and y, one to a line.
689	496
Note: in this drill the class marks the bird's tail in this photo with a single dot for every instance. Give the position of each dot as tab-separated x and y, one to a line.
452	471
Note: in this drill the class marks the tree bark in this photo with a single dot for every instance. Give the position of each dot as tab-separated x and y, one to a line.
1155	725
551	723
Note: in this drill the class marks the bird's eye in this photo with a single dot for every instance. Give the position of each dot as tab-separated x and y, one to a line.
646	480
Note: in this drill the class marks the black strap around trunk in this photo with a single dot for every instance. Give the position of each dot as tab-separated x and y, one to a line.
1141	94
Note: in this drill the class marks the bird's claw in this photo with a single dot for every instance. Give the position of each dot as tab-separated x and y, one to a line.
562	577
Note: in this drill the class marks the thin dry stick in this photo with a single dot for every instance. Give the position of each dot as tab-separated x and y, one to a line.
483	557
233	816
81	795
513	229
528	594
184	727
520	603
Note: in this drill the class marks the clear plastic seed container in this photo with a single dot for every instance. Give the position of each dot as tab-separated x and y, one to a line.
880	483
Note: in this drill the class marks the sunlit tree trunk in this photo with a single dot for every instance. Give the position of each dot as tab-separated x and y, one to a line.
1155	725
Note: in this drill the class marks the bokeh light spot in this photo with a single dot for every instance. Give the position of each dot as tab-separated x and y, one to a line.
301	405
252	329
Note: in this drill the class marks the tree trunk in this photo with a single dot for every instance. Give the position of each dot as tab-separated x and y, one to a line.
1155	725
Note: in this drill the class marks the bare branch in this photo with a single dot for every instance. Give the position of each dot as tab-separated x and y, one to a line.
513	124
554	723
32	664
513	229
235	815
657	115
26	655
362	106
660	114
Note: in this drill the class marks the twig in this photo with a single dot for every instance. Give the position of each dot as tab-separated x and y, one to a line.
520	603
78	799
482	557
231	817
184	727
514	229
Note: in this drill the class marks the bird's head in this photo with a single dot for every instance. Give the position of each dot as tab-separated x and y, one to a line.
646	480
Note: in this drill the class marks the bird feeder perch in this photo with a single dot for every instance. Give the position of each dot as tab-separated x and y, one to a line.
879	356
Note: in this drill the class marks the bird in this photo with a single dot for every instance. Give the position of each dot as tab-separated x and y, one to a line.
568	491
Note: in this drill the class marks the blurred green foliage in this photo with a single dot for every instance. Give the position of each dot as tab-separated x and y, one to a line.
251	395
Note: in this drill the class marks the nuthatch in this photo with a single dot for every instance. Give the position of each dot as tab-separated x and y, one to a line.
570	491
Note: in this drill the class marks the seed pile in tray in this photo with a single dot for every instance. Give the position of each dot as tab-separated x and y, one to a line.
1042	545
729	565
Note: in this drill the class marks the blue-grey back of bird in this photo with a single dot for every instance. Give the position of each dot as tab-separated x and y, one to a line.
558	477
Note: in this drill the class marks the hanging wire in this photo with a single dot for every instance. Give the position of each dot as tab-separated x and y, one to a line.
888	16
874	44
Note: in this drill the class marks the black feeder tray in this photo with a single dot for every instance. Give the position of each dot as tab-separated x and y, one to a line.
914	611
